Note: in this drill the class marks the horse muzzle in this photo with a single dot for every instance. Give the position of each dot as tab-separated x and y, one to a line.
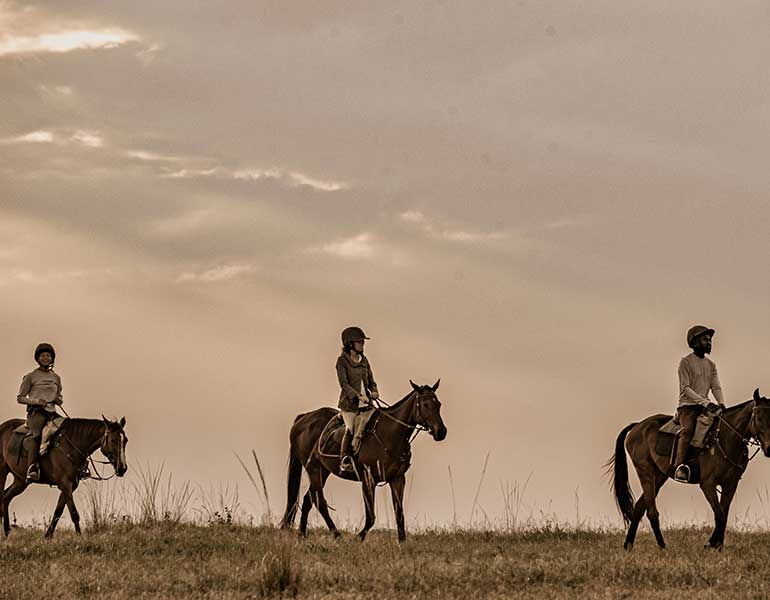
121	470
439	434
766	451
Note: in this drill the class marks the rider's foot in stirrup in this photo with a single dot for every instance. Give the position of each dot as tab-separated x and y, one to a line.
682	474
33	473
346	465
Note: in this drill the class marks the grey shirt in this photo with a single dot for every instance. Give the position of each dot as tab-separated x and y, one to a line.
698	376
41	387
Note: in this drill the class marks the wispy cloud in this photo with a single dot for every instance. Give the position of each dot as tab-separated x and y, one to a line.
65	41
359	246
292	178
418	218
151	156
87	138
218	273
35	137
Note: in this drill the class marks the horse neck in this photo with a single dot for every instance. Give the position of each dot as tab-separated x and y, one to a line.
739	417
404	412
86	434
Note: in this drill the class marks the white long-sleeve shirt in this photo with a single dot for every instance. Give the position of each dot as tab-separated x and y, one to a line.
698	376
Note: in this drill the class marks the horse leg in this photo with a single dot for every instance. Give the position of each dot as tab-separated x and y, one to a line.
73	509
651	482
709	489
397	495
367	487
56	515
16	488
307	504
639	510
318	479
727	497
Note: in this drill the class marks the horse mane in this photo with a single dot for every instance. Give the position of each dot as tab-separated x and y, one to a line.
81	427
741	405
400	402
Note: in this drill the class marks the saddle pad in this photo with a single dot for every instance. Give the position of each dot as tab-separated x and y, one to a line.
22	429
664	444
671	427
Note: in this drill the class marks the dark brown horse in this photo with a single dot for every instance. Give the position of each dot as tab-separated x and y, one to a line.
722	465
384	456
62	464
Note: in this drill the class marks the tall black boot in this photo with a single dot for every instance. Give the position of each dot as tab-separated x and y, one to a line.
346	453
33	471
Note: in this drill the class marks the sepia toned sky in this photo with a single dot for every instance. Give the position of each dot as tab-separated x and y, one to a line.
532	201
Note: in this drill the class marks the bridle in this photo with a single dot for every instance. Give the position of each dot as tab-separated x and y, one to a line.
419	425
751	440
88	458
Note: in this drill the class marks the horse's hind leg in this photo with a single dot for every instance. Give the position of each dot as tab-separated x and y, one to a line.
650	487
318	476
307	504
16	488
639	510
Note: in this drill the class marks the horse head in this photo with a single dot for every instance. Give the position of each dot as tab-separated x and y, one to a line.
114	445
761	418
428	410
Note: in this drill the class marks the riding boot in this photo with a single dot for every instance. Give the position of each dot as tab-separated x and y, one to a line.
33	471
346	453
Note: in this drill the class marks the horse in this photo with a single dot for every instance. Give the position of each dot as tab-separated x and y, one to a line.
63	464
384	456
722	465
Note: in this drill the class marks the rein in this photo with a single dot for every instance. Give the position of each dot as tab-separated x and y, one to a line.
746	441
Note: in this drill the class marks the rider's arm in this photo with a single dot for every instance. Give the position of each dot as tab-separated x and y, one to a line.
686	390
716	388
372	383
23	395
342	376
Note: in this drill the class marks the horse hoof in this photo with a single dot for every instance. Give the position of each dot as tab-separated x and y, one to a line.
336	534
628	546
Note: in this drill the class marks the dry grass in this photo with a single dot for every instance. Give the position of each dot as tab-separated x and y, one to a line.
194	561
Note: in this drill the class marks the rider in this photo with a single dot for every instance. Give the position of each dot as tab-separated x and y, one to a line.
697	375
357	388
41	392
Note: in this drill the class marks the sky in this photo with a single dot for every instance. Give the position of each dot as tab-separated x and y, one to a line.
532	201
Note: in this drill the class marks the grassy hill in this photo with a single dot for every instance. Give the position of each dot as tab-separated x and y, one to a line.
235	561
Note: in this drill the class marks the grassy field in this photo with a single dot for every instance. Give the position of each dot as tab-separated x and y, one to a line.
235	561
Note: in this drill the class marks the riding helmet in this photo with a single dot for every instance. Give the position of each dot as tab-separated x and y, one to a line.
45	347
695	332
353	334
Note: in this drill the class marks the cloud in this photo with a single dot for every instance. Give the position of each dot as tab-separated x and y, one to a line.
86	138
151	156
218	273
65	41
416	217
36	137
292	178
356	247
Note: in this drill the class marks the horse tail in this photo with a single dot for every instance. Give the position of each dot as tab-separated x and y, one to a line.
617	469
293	479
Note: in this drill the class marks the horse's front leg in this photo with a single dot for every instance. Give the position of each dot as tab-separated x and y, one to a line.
56	514
728	491
397	486
367	487
720	520
74	515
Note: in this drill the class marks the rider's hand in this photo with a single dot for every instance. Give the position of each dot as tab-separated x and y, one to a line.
375	395
58	402
722	406
363	398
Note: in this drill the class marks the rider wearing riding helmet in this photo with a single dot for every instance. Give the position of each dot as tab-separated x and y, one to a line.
697	376
41	392
358	387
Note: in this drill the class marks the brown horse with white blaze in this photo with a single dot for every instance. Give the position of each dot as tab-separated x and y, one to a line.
721	466
63	464
384	456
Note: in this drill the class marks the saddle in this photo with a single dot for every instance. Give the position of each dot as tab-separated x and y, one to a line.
49	438
669	435
335	428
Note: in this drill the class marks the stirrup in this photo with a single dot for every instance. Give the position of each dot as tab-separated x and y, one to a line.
33	473
346	465
682	469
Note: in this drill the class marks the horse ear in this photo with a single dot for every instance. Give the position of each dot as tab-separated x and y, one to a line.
435	385
415	387
106	421
756	394
123	421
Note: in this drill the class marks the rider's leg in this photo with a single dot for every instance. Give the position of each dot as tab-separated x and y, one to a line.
688	416
346	447
36	420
